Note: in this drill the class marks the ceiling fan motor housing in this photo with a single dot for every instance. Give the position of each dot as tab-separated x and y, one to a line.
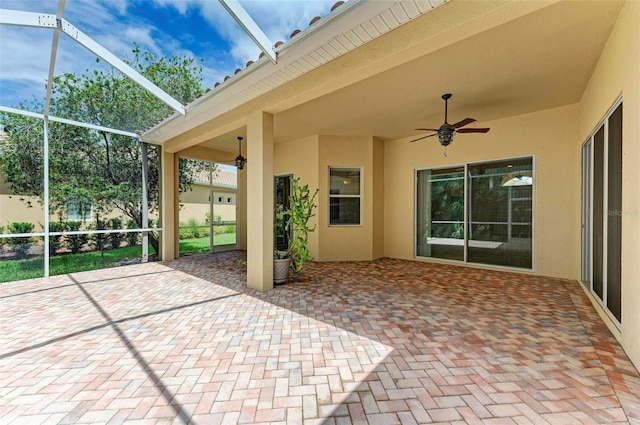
445	134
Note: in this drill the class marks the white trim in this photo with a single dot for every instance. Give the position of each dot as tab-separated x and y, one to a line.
359	196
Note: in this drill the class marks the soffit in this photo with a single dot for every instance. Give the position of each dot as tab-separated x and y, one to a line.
499	59
538	61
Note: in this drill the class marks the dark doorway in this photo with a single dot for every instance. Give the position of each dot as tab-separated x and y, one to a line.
282	187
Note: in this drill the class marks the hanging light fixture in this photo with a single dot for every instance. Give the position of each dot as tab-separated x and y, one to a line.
240	160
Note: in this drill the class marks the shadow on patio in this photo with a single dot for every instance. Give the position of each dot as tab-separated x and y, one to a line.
386	342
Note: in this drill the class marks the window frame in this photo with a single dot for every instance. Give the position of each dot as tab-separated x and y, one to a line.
358	196
75	203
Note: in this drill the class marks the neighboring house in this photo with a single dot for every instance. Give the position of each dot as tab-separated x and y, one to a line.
194	203
557	82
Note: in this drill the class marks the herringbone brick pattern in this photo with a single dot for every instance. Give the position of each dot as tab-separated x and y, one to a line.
383	342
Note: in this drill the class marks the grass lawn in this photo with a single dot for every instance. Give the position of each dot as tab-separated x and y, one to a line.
202	244
62	264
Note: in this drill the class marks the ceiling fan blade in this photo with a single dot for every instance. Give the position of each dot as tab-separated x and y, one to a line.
423	137
463	122
473	130
426	129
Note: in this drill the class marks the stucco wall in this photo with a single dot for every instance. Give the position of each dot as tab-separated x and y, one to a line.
550	136
618	74
300	158
310	159
195	204
350	243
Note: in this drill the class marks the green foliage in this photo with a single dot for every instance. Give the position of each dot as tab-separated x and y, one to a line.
56	241
75	242
20	245
193	228
300	211
115	239
132	237
447	204
96	168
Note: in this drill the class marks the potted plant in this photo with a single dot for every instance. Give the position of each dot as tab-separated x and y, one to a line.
301	205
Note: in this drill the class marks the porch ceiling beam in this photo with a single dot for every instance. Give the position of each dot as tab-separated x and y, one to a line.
42	20
252	29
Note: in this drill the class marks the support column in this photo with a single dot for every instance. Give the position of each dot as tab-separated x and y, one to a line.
260	201
167	202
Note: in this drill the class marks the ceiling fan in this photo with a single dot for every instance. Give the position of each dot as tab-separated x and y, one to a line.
446	131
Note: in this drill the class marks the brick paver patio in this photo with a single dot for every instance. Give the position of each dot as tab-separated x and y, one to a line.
383	342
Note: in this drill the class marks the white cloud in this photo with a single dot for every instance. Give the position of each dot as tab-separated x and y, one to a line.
24	53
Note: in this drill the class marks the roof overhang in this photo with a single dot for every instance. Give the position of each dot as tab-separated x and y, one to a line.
342	31
498	58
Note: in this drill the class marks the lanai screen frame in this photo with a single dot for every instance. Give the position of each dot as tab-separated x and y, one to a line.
58	24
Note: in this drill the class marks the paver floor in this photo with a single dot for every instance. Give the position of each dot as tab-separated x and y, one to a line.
382	342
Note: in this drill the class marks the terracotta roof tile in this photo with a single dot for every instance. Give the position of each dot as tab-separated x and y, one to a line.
337	5
249	63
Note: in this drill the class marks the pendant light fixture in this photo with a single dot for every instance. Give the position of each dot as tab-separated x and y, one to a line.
240	160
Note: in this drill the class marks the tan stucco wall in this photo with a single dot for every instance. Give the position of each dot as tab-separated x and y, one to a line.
351	243
618	74
300	158
310	159
194	204
13	209
550	136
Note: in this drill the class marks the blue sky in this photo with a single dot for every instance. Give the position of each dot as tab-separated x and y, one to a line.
198	28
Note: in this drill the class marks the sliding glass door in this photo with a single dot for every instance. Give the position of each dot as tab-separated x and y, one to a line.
602	212
477	212
501	213
440	213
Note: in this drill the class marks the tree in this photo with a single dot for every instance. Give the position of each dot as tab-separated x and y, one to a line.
92	168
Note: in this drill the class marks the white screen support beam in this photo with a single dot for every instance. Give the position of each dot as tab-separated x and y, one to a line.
39	20
66	121
250	27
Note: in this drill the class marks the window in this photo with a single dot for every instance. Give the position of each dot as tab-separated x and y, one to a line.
78	211
228	200
480	213
344	196
220	199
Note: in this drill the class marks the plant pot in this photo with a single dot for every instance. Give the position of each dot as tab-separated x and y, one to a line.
281	270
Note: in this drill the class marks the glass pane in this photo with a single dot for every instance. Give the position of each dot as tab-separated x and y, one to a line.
501	213
440	213
344	181
344	210
598	216
196	198
614	216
